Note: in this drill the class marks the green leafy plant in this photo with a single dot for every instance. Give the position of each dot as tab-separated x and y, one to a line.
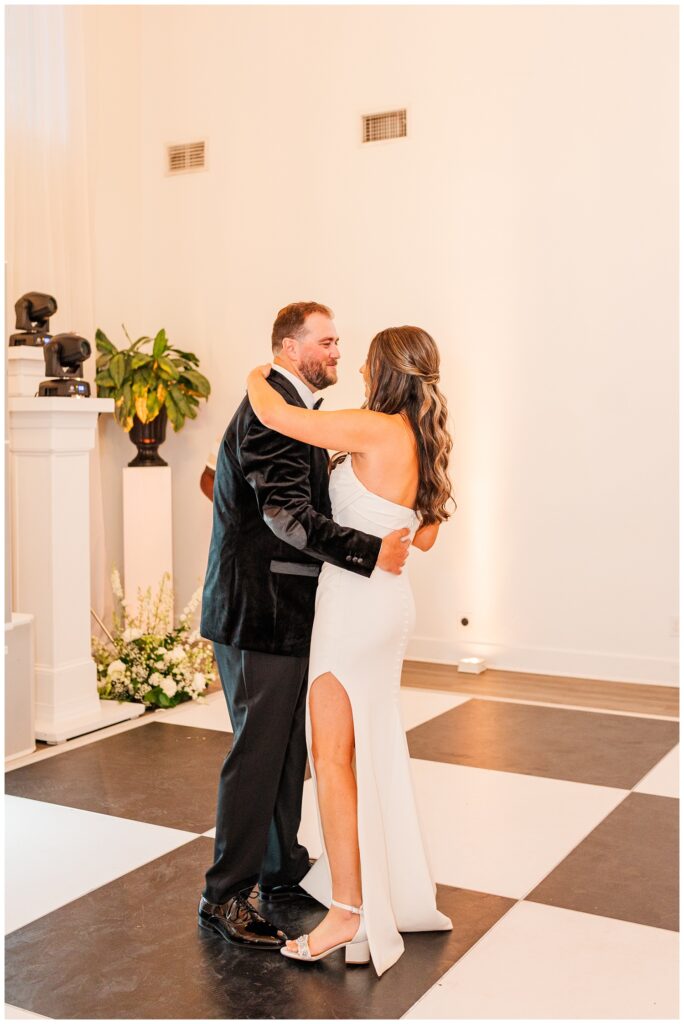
143	382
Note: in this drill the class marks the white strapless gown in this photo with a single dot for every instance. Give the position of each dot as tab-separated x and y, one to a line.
360	632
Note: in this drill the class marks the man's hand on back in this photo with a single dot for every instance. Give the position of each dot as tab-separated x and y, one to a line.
394	551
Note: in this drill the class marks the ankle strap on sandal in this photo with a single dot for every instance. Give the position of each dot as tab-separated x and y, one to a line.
345	906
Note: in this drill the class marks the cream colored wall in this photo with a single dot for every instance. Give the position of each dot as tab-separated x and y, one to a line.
528	222
114	69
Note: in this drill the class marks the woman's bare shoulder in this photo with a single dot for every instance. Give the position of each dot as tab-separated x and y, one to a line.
390	468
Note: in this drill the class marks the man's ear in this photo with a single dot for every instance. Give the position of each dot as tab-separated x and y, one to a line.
290	348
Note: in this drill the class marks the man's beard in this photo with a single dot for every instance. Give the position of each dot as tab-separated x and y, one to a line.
318	375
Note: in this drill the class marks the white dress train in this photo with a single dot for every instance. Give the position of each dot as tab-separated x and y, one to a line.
361	629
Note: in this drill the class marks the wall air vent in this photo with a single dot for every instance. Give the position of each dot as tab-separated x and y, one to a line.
188	157
390	125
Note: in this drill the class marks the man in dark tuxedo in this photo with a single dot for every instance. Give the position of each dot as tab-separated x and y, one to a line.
272	527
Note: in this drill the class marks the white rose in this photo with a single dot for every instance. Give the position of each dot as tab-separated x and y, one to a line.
168	686
131	634
176	655
116	670
156	679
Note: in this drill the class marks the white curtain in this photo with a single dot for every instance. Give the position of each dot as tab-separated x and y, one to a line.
47	217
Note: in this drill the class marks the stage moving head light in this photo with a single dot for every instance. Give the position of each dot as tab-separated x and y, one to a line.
66	354
64	359
33	311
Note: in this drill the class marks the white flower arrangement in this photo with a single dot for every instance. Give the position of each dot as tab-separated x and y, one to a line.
143	659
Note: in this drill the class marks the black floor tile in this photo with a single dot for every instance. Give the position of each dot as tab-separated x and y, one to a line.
626	868
132	949
162	774
555	743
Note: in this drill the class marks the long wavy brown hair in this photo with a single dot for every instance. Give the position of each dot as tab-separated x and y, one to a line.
403	370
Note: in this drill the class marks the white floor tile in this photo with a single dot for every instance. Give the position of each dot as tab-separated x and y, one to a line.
418	706
499	832
536	821
211	715
16	1013
55	854
546	962
663	778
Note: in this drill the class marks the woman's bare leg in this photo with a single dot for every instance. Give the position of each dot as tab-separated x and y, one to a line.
332	726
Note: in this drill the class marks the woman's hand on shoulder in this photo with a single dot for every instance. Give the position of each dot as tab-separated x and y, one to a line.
263	370
263	399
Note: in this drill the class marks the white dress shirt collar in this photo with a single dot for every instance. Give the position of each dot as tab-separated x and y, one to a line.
306	395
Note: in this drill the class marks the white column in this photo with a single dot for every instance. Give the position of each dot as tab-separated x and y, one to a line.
20	729
147	529
50	441
25	370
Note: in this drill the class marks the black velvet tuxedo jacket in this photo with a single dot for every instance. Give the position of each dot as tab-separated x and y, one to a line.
271	529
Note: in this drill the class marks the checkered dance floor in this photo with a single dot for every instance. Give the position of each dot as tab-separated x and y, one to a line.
552	833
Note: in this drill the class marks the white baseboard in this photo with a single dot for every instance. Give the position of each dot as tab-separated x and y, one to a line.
547	661
20	753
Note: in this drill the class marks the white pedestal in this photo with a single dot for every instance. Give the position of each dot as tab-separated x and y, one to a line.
50	441
20	733
147	529
25	370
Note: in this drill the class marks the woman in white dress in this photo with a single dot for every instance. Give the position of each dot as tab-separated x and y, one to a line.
374	873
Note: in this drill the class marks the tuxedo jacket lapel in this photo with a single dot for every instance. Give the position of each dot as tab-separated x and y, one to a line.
291	395
282	384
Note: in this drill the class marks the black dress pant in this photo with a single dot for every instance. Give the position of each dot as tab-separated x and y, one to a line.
260	787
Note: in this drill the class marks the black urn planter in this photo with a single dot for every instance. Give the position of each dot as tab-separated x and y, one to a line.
147	437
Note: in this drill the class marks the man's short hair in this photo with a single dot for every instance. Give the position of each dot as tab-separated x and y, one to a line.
290	321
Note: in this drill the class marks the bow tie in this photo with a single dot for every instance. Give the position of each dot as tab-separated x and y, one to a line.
317	403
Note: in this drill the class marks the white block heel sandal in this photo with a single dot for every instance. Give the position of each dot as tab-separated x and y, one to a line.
356	950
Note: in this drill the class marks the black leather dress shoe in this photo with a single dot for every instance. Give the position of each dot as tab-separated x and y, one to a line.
288	891
237	921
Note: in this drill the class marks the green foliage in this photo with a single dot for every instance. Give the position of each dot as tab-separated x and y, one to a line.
143	383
